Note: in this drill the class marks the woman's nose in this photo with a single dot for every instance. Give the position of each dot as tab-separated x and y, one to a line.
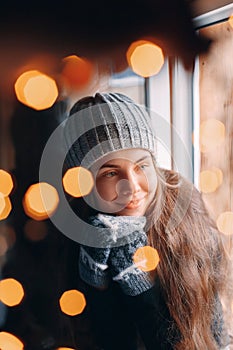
128	186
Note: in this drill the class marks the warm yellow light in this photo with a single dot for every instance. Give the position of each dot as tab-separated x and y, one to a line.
35	230
208	181
225	223
3	245
219	174
78	181
5	207
11	292
146	258
10	342
2	203
72	302
6	183
40	201
77	72
230	20
8	233
36	90
212	134
145	58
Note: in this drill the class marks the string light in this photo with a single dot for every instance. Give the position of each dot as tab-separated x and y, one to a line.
212	134
5	207
146	258
77	72
36	90
40	201
35	230
78	181
208	181
225	223
145	58
72	302
9	341
6	183
11	292
7	232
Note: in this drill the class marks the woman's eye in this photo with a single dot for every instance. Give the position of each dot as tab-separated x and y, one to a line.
143	166
110	174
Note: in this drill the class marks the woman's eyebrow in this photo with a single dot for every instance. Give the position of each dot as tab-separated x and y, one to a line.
141	159
109	165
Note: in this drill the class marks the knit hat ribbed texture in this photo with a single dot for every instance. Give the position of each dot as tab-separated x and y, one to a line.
103	124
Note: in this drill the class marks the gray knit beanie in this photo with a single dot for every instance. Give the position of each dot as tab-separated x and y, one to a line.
103	124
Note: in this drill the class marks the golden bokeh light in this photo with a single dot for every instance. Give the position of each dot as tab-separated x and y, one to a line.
3	245
145	58
8	233
225	223
11	292
77	72
10	342
2	203
219	174
6	183
5	207
35	230
208	181
40	201
230	20
72	302
146	258
36	90
212	134
78	181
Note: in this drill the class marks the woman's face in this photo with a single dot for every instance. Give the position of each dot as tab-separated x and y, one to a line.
125	182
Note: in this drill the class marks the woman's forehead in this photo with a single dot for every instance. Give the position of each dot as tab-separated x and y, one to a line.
131	155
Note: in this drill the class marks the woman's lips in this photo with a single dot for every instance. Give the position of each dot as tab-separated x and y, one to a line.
133	204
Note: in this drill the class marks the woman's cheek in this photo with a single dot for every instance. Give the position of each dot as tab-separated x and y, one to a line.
151	179
106	189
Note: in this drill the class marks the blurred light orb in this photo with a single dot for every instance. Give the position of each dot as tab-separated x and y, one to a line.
212	134
78	181
145	58
146	258
208	181
77	71
36	90
35	230
10	342
5	207
11	292
6	183
40	201
72	302
2	203
219	174
8	233
3	245
225	223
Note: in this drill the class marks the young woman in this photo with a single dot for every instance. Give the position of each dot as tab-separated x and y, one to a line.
134	203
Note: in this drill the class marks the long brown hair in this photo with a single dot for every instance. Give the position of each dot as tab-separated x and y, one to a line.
192	263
